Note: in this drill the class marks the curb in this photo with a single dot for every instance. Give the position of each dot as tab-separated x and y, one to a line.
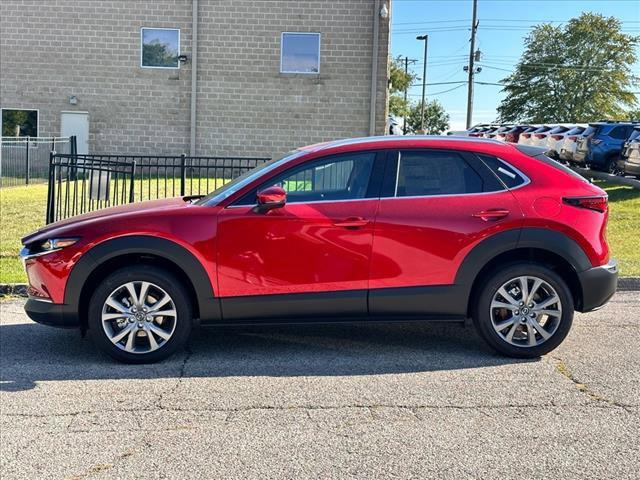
625	284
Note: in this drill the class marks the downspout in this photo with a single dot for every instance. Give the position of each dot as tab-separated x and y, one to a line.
194	75
374	66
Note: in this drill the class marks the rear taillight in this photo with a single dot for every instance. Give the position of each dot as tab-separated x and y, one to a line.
510	137
540	135
556	137
526	135
599	204
573	138
474	134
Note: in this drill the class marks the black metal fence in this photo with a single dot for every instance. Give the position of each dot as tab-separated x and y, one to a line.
83	183
25	160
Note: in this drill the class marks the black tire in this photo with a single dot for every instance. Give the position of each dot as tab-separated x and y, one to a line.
182	323
610	166
494	281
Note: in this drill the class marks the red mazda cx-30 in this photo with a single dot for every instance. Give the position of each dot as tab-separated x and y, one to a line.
371	229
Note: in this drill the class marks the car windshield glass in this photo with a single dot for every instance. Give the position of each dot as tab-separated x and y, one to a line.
237	183
588	131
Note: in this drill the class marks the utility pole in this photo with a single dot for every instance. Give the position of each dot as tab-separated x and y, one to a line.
424	78
471	68
407	61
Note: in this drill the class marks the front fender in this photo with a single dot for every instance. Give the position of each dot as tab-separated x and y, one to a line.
208	305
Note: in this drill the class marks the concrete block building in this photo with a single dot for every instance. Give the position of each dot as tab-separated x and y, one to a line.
206	77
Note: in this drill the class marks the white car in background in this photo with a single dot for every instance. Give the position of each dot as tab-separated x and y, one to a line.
539	139
527	137
555	141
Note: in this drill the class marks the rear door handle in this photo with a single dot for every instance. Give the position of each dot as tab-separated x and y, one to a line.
492	215
352	223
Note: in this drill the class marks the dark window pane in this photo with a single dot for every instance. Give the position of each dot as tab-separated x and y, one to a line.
19	123
503	171
435	173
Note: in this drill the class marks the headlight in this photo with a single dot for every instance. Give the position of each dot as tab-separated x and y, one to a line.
46	247
57	243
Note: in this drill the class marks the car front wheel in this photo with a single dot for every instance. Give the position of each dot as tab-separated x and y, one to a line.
524	310
140	314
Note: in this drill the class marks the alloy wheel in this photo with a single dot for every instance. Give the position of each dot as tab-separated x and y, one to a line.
526	311
139	317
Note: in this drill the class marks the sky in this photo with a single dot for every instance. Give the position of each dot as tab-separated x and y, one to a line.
502	28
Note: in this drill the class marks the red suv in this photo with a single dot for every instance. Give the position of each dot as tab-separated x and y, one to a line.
372	229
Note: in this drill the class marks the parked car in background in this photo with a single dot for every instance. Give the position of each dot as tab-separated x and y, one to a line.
528	138
555	140
539	139
629	163
570	144
499	131
601	151
373	229
512	134
490	132
480	130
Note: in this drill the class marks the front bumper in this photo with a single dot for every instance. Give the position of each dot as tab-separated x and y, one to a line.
51	314
598	285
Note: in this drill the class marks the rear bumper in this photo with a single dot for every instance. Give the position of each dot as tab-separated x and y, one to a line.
598	285
51	314
628	167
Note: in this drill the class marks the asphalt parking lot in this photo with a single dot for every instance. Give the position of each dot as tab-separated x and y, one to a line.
410	401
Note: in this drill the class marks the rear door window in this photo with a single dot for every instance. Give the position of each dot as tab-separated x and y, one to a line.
619	133
429	173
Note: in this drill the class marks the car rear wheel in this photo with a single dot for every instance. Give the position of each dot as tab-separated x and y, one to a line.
524	310
140	314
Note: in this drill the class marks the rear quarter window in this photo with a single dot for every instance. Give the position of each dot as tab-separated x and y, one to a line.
505	172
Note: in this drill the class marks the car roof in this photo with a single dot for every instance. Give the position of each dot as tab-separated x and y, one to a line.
397	141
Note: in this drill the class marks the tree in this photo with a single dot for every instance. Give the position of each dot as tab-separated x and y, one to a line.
577	73
436	120
399	81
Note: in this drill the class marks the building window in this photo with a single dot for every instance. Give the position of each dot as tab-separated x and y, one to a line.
19	123
300	53
160	47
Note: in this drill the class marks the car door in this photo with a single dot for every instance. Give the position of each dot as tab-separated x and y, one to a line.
436	205
310	257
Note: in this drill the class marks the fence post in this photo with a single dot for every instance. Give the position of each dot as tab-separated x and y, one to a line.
183	174
131	180
50	193
26	163
73	150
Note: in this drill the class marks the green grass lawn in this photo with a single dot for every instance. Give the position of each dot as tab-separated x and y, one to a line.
22	210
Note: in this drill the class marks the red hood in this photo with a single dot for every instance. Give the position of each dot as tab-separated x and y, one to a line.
112	213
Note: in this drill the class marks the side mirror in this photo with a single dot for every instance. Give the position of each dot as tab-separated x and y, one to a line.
270	198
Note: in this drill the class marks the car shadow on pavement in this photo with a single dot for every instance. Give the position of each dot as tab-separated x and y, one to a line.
31	353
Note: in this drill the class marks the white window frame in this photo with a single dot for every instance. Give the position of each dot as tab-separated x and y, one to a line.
37	110
142	29
318	34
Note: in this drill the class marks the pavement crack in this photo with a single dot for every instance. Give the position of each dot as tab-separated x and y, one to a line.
179	380
563	369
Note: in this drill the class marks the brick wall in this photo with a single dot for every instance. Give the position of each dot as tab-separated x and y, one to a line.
52	49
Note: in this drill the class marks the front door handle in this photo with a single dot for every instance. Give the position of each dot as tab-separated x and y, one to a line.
492	215
352	223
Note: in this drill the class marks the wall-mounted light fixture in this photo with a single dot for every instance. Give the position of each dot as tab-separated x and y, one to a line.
73	100
384	11
183	59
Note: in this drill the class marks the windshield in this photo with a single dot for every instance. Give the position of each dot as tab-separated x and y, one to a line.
237	183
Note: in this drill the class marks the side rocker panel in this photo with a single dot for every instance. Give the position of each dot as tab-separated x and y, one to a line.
209	305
